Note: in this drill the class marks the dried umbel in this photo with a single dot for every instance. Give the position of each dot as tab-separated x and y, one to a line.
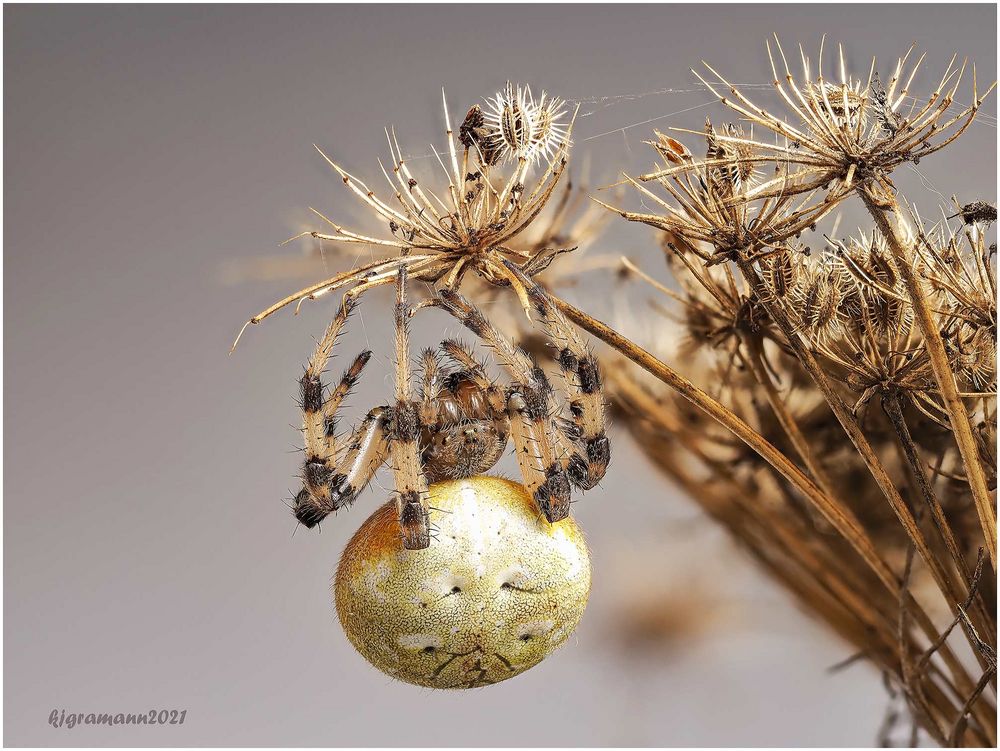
470	222
861	371
713	208
827	137
960	270
570	222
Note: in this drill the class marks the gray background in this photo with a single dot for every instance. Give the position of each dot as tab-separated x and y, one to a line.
149	560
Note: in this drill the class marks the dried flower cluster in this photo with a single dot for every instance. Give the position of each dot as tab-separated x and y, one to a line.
868	362
490	198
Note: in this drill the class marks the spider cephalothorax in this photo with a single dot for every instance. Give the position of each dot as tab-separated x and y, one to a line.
464	435
460	423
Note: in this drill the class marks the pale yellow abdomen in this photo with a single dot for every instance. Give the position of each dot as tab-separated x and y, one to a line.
498	590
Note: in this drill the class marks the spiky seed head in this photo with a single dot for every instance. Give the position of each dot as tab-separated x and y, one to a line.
672	150
850	305
887	119
781	274
521	127
979	362
513	120
732	176
817	305
744	154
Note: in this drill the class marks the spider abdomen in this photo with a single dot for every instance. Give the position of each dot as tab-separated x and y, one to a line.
498	590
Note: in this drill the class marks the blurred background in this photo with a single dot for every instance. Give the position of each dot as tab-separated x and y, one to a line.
151	154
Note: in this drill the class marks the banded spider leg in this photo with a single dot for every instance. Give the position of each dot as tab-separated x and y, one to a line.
404	432
329	483
591	449
386	432
550	458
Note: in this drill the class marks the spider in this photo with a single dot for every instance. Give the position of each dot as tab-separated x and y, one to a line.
461	422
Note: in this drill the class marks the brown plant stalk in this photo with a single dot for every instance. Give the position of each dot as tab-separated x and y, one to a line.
839	517
885	210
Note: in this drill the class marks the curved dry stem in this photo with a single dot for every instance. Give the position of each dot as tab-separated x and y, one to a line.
893	407
885	210
755	362
841	519
849	422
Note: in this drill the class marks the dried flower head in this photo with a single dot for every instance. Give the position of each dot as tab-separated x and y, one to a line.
977	212
961	272
844	106
714	207
733	156
899	320
471	222
830	137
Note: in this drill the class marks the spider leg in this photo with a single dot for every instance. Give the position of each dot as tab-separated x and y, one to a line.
530	409
326	489
543	472
411	483
591	448
328	484
429	386
320	413
472	370
462	356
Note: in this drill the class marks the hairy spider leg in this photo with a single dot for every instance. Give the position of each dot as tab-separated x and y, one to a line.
591	450
367	450
530	411
429	385
411	483
473	371
328	484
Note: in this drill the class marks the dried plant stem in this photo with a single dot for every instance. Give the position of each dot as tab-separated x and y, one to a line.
841	519
894	411
850	425
755	362
757	521
961	723
912	687
844	321
885	210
